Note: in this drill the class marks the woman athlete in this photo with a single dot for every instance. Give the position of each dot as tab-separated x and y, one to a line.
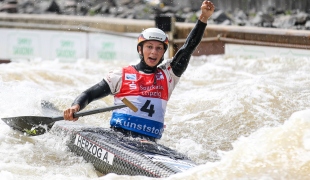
148	84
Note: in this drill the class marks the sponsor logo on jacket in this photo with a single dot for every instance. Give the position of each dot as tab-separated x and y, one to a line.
130	77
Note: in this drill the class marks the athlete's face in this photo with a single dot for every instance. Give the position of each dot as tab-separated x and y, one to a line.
153	51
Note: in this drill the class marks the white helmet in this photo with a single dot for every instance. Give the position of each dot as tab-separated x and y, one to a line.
153	34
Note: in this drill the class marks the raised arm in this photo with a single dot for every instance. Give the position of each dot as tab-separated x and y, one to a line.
181	59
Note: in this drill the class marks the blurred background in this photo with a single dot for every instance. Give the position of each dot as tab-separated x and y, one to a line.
266	13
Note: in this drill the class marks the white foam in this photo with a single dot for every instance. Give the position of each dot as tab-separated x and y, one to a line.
236	117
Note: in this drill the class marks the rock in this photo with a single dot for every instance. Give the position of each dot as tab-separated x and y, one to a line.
123	12
142	11
96	9
240	18
295	21
53	7
9	6
271	10
122	2
301	18
167	2
82	8
220	17
190	17
27	7
276	14
169	9
284	21
262	19
186	10
47	7
226	22
307	25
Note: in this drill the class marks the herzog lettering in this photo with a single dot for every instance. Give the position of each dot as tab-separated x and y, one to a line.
94	150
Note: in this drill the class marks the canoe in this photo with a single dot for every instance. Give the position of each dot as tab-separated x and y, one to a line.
108	150
111	152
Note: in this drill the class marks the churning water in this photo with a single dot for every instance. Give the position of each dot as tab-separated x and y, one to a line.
237	117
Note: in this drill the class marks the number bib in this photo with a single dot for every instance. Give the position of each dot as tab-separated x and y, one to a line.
149	98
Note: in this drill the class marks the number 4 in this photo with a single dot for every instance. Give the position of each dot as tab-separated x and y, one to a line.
149	110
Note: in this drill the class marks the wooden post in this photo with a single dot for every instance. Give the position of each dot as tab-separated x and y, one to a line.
171	38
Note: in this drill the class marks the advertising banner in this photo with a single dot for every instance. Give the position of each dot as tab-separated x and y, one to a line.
264	51
111	47
17	44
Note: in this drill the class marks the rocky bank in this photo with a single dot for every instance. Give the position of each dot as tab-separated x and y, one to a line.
148	9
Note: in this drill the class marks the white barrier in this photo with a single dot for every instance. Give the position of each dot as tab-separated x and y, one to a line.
264	51
17	44
111	47
21	44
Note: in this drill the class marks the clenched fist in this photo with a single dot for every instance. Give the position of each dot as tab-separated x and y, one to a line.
207	9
